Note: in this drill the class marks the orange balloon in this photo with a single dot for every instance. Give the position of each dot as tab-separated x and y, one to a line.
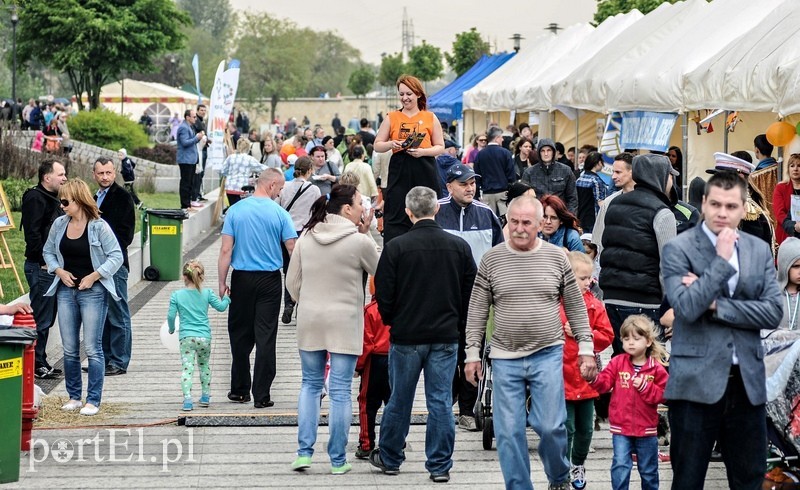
780	133
286	150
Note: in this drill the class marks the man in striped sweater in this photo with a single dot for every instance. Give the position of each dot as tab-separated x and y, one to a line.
526	279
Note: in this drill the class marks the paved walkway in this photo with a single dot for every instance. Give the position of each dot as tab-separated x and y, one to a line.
143	446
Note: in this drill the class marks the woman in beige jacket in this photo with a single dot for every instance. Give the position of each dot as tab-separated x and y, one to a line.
332	254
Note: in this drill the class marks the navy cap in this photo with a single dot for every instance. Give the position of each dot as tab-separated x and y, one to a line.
460	172
450	144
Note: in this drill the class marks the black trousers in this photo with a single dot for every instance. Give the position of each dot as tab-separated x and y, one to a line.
374	391
740	427
465	392
186	184
253	321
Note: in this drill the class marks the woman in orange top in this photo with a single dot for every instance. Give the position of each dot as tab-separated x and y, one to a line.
413	165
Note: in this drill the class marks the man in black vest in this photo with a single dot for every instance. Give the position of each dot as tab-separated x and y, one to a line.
40	207
637	225
117	209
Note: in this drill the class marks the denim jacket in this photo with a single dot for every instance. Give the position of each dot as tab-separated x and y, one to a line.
103	248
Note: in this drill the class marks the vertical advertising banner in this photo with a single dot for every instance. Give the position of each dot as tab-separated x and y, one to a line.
223	96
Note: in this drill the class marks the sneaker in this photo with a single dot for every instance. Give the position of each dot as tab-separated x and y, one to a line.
72	405
467	423
53	370
187	405
341	470
376	461
202	199
441	477
205	400
196	204
362	453
90	410
43	372
663	457
286	318
303	463
559	486
577	476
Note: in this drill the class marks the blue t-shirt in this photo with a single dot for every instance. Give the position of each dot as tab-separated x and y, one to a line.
258	226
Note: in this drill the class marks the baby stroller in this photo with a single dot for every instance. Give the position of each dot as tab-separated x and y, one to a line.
483	406
781	360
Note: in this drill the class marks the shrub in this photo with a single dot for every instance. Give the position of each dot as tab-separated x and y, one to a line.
106	129
14	189
161	153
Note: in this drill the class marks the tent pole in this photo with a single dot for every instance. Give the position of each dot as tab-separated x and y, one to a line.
577	133
553	126
685	149
725	133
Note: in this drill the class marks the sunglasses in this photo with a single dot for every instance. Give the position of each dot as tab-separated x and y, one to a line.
64	202
482	140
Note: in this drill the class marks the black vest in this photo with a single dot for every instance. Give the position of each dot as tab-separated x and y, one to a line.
630	259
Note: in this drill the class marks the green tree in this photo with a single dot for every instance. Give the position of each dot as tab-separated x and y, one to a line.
392	67
93	41
213	16
274	58
332	61
361	80
610	8
425	62
468	48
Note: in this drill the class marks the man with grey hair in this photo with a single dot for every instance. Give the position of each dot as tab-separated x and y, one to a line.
527	349
426	262
495	165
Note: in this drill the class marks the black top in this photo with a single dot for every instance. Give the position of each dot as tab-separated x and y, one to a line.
118	210
77	260
40	208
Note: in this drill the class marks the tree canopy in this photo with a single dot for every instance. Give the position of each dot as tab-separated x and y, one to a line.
361	80
425	62
468	48
392	67
610	8
215	17
93	41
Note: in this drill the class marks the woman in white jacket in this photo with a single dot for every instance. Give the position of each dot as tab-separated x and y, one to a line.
333	253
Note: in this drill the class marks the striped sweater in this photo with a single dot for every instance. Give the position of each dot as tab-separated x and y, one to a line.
525	289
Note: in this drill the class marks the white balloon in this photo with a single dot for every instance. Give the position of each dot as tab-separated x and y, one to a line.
171	341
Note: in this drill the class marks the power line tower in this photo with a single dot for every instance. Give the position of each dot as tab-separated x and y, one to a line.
408	33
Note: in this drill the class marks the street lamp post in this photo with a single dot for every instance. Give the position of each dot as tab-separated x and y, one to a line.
14	20
516	38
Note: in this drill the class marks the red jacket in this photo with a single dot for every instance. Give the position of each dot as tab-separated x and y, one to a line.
781	206
376	334
632	412
575	387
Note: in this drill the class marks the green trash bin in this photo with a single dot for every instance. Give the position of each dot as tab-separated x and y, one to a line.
165	228
12	343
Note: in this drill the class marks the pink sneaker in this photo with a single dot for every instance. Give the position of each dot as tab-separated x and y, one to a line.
196	204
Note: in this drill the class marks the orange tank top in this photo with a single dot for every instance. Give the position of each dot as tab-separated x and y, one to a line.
401	126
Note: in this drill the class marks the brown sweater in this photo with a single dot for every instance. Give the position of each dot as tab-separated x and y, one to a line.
525	289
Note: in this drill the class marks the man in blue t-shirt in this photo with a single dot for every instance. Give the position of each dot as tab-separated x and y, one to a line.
251	243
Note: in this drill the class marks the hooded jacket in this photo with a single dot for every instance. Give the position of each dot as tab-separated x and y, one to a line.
444	162
788	254
686	215
630	262
325	278
554	178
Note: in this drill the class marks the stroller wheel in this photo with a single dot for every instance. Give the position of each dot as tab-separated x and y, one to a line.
488	433
479	415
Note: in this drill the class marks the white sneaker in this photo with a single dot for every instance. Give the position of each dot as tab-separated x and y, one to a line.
90	410
72	405
577	476
467	423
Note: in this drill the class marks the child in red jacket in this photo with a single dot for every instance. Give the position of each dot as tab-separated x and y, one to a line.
637	379
373	367
579	394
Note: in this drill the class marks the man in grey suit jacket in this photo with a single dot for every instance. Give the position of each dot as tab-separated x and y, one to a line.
722	285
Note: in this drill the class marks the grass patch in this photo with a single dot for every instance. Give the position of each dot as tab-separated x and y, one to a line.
16	242
51	415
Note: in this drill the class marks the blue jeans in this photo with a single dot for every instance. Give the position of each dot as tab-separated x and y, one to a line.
117	329
438	362
340	381
44	307
87	307
646	449
542	373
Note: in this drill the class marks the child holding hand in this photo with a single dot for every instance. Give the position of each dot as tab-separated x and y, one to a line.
191	303
637	379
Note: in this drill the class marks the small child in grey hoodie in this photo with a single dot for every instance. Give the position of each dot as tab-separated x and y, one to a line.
789	280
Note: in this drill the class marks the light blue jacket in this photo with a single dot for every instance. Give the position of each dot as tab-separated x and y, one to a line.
103	248
187	145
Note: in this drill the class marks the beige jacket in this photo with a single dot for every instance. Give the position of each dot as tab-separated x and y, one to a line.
325	278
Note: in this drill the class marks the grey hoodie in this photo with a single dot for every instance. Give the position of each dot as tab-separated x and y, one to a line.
651	171
788	254
546	142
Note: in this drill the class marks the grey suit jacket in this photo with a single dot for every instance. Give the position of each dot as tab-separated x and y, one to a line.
703	341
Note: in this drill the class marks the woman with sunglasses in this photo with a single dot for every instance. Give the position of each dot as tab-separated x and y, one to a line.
559	226
478	144
84	254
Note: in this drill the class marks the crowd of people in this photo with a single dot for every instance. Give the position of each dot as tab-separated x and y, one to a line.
514	233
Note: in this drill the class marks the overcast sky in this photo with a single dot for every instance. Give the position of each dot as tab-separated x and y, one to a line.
375	26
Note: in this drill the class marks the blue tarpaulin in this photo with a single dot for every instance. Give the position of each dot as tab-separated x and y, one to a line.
447	103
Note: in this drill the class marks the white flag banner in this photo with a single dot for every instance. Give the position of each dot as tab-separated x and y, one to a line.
223	96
